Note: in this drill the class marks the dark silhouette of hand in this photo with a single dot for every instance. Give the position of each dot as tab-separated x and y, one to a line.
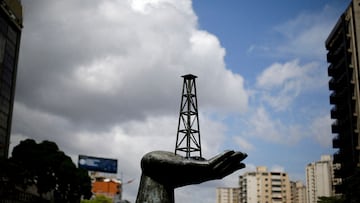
174	171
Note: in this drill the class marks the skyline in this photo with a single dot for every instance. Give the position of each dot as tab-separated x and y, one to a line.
110	72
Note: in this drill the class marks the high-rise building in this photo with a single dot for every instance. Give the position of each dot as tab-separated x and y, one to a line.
319	179
298	192
227	195
343	57
10	33
263	186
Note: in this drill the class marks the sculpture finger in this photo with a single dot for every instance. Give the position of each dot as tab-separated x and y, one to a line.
235	157
229	166
220	157
230	169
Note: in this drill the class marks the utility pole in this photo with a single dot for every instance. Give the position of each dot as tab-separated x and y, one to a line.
188	133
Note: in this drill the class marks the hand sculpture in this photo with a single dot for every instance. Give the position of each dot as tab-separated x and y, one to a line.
165	171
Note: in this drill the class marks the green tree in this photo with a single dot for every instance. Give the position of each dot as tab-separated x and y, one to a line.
330	200
352	187
50	169
98	199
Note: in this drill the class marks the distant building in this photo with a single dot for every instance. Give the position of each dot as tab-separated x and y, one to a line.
110	188
10	33
265	187
298	192
319	179
227	195
343	56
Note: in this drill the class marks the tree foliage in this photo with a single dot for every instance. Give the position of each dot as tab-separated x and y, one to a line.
330	200
352	187
98	199
50	169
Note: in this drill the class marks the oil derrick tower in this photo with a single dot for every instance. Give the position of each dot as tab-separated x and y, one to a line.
188	133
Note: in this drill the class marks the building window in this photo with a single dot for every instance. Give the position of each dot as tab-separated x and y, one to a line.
3	121
12	35
3	25
2	47
4	105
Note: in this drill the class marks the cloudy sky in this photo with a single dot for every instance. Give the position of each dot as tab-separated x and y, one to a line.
102	78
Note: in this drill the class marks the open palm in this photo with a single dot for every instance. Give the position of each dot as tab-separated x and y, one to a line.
175	171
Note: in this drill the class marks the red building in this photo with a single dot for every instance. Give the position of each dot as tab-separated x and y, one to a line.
109	187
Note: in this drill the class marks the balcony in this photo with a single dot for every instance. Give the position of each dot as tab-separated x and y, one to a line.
339	96
276	181
335	127
331	70
335	68
338	172
337	157
330	57
276	197
276	190
333	98
336	142
332	84
334	113
339	189
334	55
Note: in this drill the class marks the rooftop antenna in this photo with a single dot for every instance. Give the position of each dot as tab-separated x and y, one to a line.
188	133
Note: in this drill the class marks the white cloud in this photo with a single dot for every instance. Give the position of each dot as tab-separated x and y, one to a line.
250	167
280	84
277	168
257	48
275	130
101	76
126	66
302	36
263	126
278	74
321	130
305	34
243	143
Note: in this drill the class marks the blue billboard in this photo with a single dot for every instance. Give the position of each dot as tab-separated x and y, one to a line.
91	163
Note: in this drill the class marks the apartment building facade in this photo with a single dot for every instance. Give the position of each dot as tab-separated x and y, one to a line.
265	187
319	179
298	192
10	33
343	58
227	195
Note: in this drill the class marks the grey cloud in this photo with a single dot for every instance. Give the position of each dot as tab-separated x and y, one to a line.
94	76
150	53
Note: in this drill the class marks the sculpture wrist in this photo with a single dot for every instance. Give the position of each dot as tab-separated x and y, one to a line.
151	191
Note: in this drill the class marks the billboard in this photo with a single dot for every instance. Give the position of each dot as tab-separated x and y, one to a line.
91	163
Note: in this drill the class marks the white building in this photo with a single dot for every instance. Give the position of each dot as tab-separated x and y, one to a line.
298	192
319	179
265	187
227	195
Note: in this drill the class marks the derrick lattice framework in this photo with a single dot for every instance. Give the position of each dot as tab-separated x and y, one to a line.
188	133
